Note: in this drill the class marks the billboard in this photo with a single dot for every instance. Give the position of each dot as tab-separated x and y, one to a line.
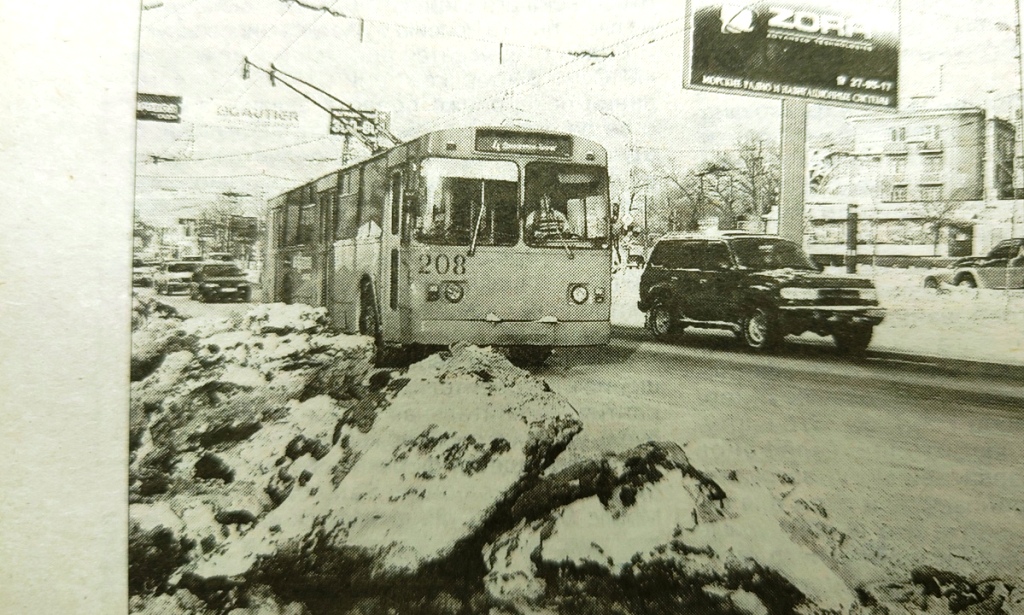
158	108
826	51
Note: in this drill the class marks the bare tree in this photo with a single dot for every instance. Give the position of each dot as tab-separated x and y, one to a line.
758	173
941	214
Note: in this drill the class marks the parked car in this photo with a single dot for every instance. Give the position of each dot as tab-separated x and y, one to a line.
760	287
219	281
1002	267
174	276
142	272
224	257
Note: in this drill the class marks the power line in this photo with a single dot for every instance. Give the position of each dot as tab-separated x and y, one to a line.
289	179
431	32
508	92
159	159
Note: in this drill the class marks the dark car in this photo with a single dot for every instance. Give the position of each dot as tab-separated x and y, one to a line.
1002	267
219	281
761	287
142	272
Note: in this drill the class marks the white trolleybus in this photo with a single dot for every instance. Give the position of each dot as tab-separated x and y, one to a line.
491	236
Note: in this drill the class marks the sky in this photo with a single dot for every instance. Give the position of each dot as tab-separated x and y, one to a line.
437	63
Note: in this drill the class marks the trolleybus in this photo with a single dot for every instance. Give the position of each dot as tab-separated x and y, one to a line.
488	235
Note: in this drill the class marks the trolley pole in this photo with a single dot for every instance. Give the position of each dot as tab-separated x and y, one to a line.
851	238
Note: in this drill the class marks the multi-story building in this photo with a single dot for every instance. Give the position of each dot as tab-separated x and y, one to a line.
934	179
934	151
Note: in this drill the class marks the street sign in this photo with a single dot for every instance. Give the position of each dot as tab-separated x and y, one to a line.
825	51
368	123
158	108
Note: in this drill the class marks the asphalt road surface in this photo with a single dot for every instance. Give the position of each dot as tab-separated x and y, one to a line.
191	308
918	464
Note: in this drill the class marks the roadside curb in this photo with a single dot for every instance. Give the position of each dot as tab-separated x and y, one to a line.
989	369
950	366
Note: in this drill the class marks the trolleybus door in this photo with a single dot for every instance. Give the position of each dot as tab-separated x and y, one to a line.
394	295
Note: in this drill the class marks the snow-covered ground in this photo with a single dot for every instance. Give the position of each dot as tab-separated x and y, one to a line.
950	322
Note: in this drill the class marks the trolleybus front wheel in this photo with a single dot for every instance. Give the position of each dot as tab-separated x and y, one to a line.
528	356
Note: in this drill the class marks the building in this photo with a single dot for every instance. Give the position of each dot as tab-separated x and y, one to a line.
933	180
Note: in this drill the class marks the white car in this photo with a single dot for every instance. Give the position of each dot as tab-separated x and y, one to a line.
1002	267
174	276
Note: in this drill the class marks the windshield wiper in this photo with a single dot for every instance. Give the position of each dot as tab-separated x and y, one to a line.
565	243
476	231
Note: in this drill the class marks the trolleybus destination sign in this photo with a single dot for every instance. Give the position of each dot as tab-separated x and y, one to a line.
537	143
827	51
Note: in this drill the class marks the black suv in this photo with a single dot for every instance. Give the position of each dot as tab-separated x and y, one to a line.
760	287
212	281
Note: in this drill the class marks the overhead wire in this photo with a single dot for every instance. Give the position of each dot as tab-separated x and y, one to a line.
511	90
240	154
439	33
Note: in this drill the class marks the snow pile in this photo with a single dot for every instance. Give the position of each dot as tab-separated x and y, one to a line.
225	421
967	323
648	531
274	471
405	485
932	591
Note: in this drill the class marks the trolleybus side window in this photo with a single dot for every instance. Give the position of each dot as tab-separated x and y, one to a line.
291	219
396	201
468	202
307	223
565	203
372	197
347	217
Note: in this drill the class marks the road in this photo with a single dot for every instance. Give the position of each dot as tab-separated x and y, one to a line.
918	465
190	308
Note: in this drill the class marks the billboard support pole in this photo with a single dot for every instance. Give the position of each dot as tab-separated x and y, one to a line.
794	163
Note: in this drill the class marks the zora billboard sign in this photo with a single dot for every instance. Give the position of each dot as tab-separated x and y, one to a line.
827	51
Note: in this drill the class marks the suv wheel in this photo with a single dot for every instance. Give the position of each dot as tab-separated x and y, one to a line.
760	329
661	320
853	340
966	281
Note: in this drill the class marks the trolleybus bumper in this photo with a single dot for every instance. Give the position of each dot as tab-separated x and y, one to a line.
514	333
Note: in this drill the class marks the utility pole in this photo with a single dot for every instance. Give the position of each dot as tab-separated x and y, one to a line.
794	165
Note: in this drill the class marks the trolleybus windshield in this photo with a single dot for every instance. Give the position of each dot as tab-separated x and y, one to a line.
566	205
468	202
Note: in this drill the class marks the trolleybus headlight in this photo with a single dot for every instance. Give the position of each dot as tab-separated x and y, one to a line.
599	294
579	293
453	292
433	292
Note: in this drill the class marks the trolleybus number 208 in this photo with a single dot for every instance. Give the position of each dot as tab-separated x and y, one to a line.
442	264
